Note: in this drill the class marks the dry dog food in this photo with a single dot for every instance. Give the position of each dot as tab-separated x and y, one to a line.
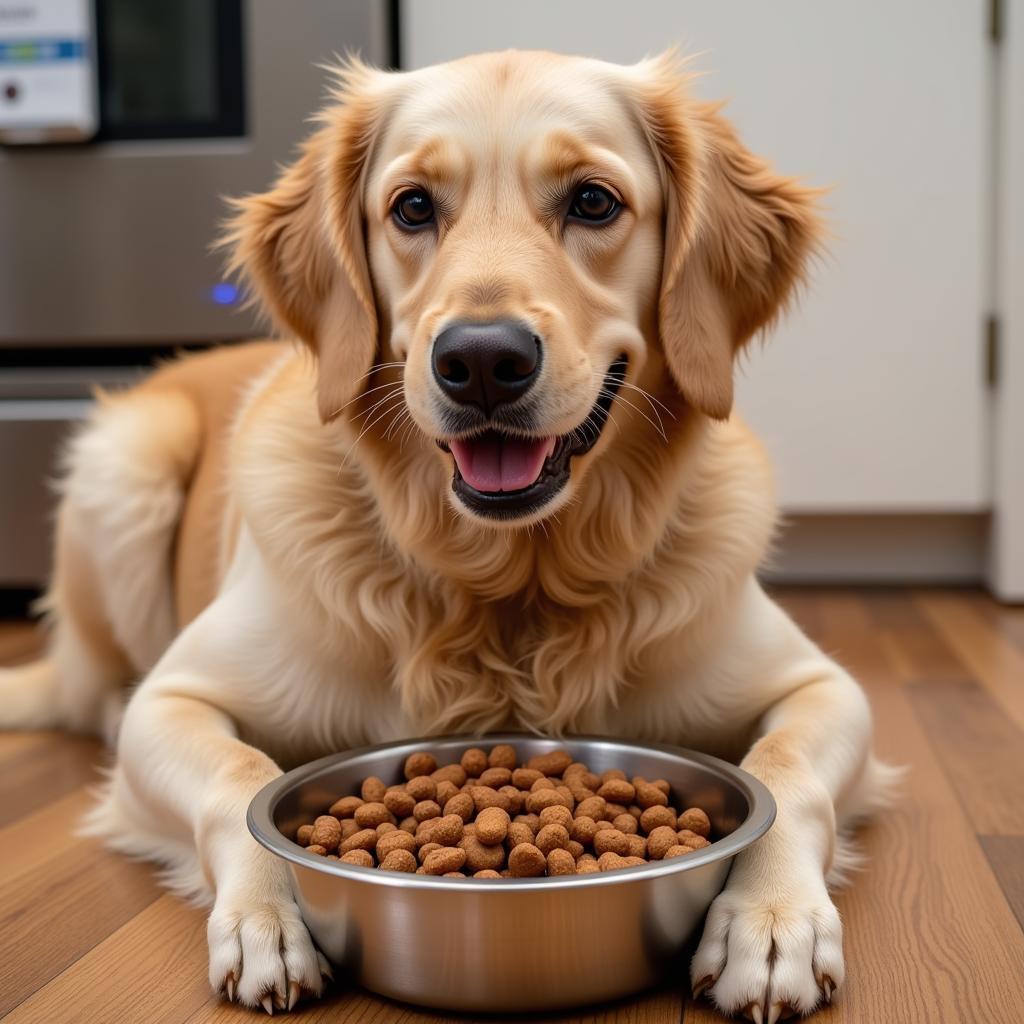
490	817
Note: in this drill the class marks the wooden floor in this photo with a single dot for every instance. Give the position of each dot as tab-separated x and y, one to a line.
933	925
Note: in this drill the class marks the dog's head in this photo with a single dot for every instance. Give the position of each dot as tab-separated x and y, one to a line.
531	249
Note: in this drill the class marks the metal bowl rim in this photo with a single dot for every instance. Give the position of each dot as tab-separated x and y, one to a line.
761	815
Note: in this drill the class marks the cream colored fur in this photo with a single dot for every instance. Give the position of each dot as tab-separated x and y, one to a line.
360	602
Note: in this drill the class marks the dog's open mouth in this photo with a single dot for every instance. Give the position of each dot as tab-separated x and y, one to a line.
504	476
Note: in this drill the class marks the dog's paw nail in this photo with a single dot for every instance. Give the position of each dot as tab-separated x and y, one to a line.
702	986
755	1013
827	988
229	988
293	994
267	1003
279	1003
780	1011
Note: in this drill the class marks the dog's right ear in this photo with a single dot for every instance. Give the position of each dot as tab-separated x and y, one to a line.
301	246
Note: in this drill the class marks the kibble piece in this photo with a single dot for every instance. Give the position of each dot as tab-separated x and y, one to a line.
448	830
526	861
612	773
349	827
677	851
636	846
445	791
421	788
611	861
326	833
579	793
453	773
454	874
537	801
492	825
332	856
663	786
660	840
657	816
372	790
556	815
384	827
595	807
409	825
361	857
561	862
398	802
587	864
303	834
626	823
397	840
514	798
533	820
484	797
524	778
699	843
462	805
610	840
496	778
542	783
636	810
398	860
518	832
688	838
364	840
444	859
486	873
474	762
345	807
480	857
371	815
648	795
426	809
553	763
426	850
317	849
503	756
420	763
583	829
694	819
552	837
618	791
576	849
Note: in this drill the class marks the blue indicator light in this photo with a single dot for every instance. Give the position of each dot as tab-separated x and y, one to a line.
224	293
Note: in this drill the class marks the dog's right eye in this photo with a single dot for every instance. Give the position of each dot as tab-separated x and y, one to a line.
413	209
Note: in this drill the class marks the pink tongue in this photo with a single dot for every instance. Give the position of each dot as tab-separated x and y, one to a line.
491	464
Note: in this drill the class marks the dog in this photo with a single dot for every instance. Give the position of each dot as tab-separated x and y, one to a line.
492	482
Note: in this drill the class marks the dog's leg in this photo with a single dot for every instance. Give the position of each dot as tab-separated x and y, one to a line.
772	943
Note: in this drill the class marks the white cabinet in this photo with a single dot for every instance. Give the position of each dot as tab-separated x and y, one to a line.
872	394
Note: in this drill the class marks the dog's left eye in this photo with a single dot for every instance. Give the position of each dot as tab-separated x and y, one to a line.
413	209
593	204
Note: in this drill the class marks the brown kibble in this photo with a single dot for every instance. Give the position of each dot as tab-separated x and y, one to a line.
587	864
538	800
486	873
303	834
326	833
561	862
518	833
595	807
648	795
617	791
409	825
694	819
371	815
542	783
317	849
385	827
480	857
576	849
349	827
427	849
345	807
361	857
453	773
660	840
637	847
484	797
526	861
688	838
552	837
492	825
421	788
462	805
444	859
579	793
656	817
445	791
514	798
625	823
399	860
636	810
612	773
364	840
503	756
610	861
556	815
397	840
420	763
677	851
448	830
553	763
524	778
372	790
426	809
496	778
663	786
699	843
614	810
474	762
454	874
610	840
532	820
583	829
398	802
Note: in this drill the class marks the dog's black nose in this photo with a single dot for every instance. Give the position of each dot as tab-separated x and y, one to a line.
486	364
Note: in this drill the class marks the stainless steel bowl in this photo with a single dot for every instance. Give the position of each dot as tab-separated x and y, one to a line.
510	945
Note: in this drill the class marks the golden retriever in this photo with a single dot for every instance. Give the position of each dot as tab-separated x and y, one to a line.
497	485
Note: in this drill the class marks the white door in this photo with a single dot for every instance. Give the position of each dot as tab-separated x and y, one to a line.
871	396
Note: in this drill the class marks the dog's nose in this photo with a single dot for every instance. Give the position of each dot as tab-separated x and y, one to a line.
486	364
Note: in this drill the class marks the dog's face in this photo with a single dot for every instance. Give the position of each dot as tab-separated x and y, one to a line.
525	236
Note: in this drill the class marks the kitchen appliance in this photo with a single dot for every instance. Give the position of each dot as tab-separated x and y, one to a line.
124	124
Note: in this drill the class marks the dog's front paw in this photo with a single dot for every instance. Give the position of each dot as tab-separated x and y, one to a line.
767	959
262	954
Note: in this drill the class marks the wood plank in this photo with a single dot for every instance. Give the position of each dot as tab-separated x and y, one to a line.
1006	856
151	969
47	767
19	641
991	659
36	838
51	917
912	641
1007	619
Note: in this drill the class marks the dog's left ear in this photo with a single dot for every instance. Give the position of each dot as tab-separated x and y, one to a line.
301	245
737	237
